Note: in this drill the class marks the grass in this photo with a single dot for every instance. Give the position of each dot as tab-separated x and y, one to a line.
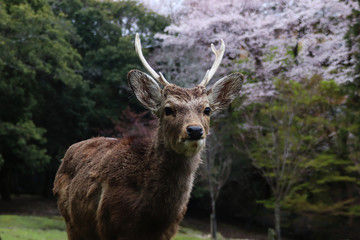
15	227
189	234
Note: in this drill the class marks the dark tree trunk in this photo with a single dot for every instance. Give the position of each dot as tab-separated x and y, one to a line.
277	220
213	220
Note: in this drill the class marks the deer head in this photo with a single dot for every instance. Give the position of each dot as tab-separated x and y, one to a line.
184	113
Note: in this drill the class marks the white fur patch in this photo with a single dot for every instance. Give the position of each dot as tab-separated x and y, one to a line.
193	146
110	138
103	189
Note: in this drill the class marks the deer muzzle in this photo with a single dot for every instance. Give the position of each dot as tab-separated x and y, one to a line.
194	132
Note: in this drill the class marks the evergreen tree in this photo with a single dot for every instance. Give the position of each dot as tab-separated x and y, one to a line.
35	57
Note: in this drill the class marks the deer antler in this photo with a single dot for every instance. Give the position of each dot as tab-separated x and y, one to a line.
160	78
219	53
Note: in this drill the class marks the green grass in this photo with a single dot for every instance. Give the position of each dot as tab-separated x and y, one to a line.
189	234
14	227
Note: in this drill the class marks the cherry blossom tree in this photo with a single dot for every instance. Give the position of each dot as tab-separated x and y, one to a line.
164	7
264	39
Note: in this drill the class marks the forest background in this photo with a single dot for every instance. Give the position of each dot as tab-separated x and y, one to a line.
285	155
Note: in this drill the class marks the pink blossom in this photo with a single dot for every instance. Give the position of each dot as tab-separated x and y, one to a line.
264	39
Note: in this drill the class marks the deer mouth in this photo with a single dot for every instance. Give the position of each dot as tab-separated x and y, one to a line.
193	139
188	146
195	144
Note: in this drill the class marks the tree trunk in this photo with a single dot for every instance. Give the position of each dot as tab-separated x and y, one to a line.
213	229
277	220
213	220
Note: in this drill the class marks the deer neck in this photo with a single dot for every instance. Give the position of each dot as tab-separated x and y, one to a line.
178	165
174	175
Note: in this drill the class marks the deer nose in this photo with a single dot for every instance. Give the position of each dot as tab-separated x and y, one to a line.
194	132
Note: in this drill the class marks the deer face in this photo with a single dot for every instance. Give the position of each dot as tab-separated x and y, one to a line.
184	118
184	113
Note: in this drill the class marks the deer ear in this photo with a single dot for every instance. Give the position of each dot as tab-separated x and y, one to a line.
145	89
225	91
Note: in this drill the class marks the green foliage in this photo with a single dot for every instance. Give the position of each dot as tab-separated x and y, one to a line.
328	166
35	54
299	140
315	194
18	144
286	133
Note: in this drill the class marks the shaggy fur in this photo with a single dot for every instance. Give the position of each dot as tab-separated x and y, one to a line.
134	188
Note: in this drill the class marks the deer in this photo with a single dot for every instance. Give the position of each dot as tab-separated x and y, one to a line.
136	188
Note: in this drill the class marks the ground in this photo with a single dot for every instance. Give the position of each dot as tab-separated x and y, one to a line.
37	206
29	205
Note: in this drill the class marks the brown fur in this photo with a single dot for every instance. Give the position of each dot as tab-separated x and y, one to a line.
132	188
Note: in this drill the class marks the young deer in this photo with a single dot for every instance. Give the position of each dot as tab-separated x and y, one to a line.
132	188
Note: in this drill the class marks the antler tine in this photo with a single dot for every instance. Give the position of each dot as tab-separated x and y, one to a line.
160	78
219	53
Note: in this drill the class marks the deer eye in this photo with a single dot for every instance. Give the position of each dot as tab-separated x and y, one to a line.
168	111
207	111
